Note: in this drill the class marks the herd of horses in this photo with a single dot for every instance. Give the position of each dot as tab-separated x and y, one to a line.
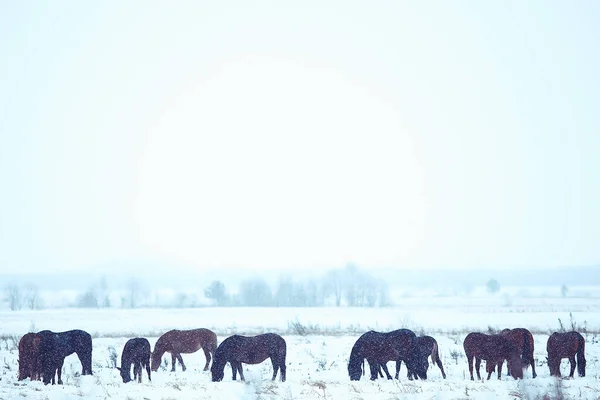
42	354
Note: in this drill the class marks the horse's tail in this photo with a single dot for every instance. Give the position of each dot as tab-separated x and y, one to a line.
527	352
435	357
581	355
434	353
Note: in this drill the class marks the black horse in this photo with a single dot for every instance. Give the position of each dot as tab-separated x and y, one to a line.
238	349
426	346
136	352
378	348
54	347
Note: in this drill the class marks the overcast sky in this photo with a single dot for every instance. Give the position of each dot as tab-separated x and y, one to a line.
458	134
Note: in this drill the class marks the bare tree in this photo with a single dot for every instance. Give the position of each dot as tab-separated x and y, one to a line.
13	296
32	297
216	292
255	292
333	284
134	293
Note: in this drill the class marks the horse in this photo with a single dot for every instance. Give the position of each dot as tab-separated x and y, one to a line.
427	346
136	352
380	347
29	357
522	339
494	349
239	349
566	345
188	341
54	347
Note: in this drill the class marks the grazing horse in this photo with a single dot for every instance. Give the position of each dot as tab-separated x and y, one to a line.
54	347
426	346
189	341
566	345
30	365
378	348
136	352
522	339
239	349
494	349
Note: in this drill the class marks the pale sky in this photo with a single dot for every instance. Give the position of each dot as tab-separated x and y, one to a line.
453	134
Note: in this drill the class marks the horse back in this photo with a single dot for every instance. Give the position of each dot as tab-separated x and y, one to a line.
564	344
187	341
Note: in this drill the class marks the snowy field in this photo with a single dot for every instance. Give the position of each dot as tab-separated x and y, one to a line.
319	341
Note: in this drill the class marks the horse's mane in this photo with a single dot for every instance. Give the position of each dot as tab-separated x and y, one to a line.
355	362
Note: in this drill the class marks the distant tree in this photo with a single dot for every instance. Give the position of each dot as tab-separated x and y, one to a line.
103	293
88	299
493	286
314	296
32	297
255	293
284	295
383	294
13	296
333	284
564	290
134	293
217	293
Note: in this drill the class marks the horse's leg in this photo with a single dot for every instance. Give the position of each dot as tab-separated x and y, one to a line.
275	367
207	355
489	368
385	369
282	370
148	368
137	371
59	371
500	363
234	370
477	366
470	362
241	370
573	364
374	368
181	361
86	362
532	362
173	360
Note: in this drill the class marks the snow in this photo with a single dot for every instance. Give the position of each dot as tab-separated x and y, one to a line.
317	362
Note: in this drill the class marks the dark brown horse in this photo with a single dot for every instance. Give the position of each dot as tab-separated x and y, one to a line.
237	349
136	352
54	347
378	348
522	339
30	365
177	342
566	345
494	349
427	346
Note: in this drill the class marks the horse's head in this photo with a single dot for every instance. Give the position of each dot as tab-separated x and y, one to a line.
515	365
217	372
155	359
355	372
125	375
217	369
418	367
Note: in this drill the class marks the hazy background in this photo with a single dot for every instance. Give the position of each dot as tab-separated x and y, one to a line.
207	136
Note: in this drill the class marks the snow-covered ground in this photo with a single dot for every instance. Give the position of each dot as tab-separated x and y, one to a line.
317	362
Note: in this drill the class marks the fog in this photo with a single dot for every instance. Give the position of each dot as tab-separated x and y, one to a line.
405	144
